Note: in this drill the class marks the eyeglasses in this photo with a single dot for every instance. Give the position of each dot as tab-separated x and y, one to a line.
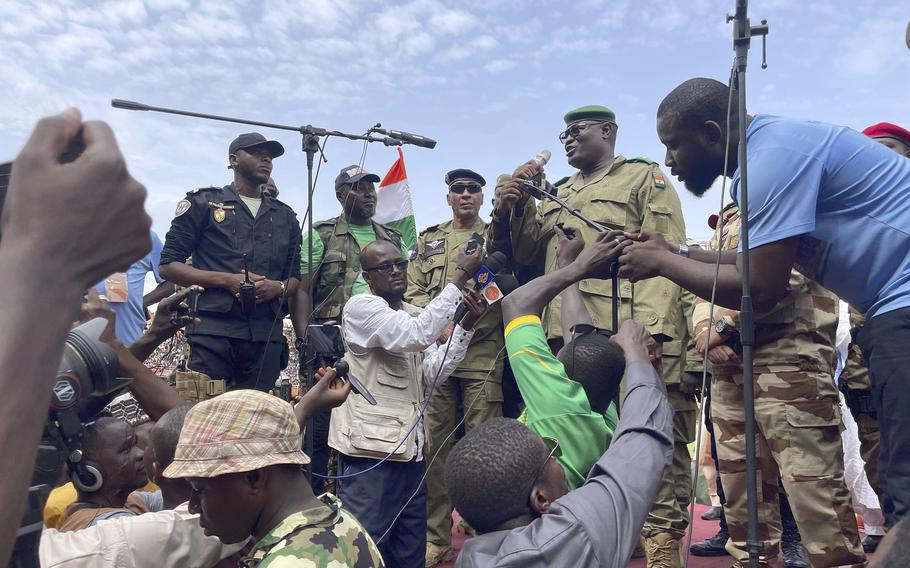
401	265
555	452
471	188
575	129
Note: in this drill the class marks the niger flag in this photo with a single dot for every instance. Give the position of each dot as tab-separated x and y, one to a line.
393	203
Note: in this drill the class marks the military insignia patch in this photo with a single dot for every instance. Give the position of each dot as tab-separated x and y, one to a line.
434	247
660	182
182	207
412	254
218	214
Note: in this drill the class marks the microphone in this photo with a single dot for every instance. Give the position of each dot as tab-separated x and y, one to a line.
482	278
343	370
543	157
407	137
128	105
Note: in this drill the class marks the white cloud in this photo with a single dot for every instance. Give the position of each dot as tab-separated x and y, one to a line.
499	65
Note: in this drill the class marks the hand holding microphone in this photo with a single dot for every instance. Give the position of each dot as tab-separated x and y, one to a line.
510	194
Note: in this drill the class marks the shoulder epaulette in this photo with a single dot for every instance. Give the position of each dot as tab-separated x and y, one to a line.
642	160
562	181
325	222
430	228
201	189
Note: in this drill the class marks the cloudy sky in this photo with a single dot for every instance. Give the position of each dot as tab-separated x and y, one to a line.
489	79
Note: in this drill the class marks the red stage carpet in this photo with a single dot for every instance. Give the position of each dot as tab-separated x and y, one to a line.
703	530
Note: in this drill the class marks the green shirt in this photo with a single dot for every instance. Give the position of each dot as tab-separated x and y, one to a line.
557	406
364	234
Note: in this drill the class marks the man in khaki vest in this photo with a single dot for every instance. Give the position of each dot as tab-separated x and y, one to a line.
337	243
477	382
620	193
392	348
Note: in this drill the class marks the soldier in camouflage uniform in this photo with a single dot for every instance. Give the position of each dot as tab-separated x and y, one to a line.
241	454
476	383
336	270
627	194
797	415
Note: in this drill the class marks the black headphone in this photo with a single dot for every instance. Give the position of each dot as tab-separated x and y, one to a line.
85	474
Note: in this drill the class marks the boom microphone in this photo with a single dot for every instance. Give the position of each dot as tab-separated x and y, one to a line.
343	370
482	278
407	137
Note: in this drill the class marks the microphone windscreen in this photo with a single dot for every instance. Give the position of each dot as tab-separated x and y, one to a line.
496	261
342	368
507	283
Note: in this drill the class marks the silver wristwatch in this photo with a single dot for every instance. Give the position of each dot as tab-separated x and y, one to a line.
683	250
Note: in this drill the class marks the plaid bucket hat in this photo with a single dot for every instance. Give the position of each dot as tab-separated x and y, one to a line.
238	431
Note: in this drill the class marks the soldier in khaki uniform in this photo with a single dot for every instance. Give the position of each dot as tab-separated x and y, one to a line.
797	414
338	276
621	193
477	382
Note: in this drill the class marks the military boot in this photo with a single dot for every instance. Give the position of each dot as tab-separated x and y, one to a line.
791	545
662	551
716	545
438	554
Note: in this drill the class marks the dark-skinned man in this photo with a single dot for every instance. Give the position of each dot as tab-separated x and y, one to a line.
510	481
110	446
619	193
392	347
476	383
823	199
227	230
335	275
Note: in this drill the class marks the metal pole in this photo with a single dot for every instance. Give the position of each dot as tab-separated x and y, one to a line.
310	147
742	34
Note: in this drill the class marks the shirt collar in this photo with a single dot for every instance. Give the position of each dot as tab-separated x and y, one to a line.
302	519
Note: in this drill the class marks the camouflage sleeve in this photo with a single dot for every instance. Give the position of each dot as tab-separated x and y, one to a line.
526	234
418	290
694	361
657	299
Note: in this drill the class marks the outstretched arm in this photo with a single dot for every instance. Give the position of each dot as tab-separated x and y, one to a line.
593	262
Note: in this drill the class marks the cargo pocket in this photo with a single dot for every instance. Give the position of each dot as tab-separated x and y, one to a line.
813	440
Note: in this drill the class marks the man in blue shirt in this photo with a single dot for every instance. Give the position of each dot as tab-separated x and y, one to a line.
822	198
125	293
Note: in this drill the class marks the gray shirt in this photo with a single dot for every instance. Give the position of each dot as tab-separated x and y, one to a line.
597	524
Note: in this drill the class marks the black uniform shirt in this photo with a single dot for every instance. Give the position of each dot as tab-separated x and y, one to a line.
217	229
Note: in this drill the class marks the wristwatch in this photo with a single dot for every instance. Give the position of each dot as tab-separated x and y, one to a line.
284	288
683	250
724	325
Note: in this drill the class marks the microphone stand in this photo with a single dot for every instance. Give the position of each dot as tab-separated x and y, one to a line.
542	194
742	38
310	146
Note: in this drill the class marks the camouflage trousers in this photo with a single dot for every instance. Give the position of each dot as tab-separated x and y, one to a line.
670	513
869	445
798	441
441	419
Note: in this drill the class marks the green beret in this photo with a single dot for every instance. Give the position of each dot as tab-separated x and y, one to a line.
590	112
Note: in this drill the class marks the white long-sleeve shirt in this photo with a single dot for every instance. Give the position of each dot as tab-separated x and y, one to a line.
369	323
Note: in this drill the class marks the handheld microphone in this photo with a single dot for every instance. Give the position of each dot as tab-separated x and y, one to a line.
408	138
482	279
539	180
343	370
543	157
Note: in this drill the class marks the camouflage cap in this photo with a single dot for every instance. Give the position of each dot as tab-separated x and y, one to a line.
590	112
238	431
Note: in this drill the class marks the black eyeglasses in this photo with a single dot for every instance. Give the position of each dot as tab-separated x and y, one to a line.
555	452
575	129
586	328
471	188
401	265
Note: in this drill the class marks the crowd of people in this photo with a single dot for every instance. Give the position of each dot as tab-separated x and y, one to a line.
558	436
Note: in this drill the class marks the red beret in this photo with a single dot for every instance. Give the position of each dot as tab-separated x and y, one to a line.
889	130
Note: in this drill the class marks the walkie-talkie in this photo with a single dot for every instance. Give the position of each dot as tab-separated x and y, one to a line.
247	292
473	242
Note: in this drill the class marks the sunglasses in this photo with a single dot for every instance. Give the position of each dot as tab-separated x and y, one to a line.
471	188
574	130
586	328
401	265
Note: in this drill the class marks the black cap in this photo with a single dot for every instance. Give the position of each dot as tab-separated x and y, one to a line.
463	173
353	174
251	139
